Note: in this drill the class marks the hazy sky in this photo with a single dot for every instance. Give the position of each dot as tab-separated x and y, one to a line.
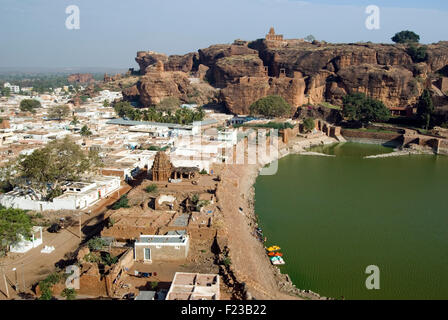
33	32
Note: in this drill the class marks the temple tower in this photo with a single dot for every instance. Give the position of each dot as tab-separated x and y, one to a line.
272	36
162	167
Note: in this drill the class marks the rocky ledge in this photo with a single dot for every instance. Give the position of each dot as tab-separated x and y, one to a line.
299	71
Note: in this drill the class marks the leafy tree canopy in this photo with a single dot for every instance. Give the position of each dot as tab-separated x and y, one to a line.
5	91
13	222
309	38
59	112
168	104
181	116
45	170
28	105
308	124
271	107
357	106
418	54
425	108
406	37
85	131
74	121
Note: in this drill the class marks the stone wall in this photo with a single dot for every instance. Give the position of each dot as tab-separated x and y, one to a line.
373	137
125	261
443	147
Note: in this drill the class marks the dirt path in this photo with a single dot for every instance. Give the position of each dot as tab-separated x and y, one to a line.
34	266
247	253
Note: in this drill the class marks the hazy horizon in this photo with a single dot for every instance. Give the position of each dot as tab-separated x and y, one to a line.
34	34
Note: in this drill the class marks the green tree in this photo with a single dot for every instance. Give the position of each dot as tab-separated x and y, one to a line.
106	103
46	169
96	243
181	116
69	293
59	112
74	121
85	131
29	105
5	91
107	259
418	54
14	223
195	198
425	108
406	37
308	124
46	286
151	188
358	107
310	38
168	104
270	106
122	203
125	110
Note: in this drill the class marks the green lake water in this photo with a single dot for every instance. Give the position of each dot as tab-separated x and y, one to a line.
334	216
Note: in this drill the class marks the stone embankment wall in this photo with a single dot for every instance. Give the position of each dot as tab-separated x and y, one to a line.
387	138
443	147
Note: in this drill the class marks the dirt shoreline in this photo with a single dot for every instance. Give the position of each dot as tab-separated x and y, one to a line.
250	264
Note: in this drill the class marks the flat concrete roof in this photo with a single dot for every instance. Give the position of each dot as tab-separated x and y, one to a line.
146	295
168	239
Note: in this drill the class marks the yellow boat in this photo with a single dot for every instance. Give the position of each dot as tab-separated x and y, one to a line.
273	248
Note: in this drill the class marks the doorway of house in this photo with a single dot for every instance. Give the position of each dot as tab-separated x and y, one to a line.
147	254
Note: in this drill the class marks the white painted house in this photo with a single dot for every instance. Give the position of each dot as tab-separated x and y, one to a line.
77	196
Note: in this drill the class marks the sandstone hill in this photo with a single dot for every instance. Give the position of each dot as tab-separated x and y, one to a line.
240	73
81	78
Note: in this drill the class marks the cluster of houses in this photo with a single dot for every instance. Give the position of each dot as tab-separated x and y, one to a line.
126	148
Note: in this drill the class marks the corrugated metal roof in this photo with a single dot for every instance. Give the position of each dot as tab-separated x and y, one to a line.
124	122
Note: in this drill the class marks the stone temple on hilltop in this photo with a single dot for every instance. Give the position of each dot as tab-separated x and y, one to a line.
274	37
163	169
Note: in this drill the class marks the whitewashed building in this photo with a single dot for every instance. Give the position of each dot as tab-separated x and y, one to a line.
77	196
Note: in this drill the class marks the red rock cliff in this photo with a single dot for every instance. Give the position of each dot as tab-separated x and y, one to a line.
299	71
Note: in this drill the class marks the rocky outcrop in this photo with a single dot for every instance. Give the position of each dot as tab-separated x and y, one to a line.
185	63
438	56
230	68
80	78
153	87
301	72
110	78
238	96
149	58
395	86
385	72
131	93
210	55
319	112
